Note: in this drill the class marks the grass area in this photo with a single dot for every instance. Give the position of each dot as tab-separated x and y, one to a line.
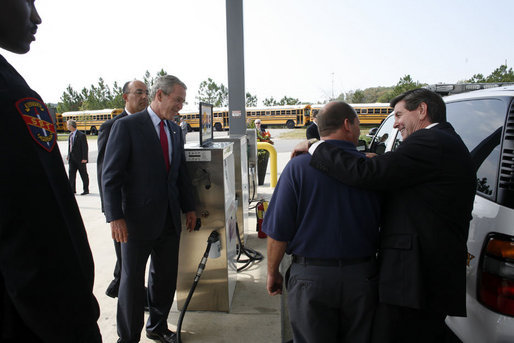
64	137
300	133
292	134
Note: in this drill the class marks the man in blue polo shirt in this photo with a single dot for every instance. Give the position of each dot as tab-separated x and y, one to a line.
332	232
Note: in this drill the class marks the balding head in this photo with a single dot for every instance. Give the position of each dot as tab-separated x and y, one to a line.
135	95
338	120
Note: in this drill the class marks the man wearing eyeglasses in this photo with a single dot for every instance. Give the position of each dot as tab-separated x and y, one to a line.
135	95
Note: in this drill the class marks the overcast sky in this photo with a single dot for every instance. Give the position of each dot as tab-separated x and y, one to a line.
307	49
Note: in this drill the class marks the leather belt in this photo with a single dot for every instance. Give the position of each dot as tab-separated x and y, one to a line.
323	262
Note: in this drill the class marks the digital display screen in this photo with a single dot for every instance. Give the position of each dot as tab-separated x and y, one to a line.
206	121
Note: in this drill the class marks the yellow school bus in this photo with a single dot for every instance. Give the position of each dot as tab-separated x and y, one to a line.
372	113
89	121
291	116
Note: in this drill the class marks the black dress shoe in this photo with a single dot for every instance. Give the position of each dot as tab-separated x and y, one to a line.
166	337
84	193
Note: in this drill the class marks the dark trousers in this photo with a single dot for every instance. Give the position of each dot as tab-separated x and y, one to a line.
114	286
82	168
162	280
397	324
332	304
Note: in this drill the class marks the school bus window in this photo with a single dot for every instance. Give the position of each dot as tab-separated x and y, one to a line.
358	110
377	110
383	110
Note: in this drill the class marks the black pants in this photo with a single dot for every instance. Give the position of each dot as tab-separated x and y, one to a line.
82	168
162	280
332	304
114	286
397	324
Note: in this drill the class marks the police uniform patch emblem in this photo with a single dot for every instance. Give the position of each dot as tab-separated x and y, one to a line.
39	122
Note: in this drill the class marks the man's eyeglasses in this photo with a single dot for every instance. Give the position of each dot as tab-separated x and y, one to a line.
139	92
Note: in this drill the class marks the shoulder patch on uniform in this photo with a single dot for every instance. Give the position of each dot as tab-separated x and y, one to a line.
39	122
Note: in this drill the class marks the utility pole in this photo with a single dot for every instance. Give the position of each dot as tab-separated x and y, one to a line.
332	86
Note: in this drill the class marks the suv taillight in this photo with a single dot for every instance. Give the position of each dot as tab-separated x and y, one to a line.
496	274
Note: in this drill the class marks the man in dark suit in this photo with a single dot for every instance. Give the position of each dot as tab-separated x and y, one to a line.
46	266
77	156
430	183
312	130
146	185
135	95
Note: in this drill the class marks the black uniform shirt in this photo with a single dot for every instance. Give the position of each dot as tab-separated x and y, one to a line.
46	266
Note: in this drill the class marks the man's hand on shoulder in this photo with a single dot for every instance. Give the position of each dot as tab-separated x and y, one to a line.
303	147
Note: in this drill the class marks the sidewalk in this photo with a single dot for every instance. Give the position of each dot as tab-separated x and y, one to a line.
254	315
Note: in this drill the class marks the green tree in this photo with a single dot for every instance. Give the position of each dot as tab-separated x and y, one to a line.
341	97
117	97
477	78
357	97
405	84
251	100
149	80
500	74
212	93
71	100
270	102
288	101
98	96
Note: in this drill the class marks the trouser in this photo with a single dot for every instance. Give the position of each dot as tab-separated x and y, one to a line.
400	324
332	304
162	280
114	286
82	168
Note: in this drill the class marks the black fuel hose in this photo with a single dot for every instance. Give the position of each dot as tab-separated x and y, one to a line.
213	238
252	255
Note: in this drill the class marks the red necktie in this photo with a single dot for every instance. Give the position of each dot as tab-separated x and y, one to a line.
164	145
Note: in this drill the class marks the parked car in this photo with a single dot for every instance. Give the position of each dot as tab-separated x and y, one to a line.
485	121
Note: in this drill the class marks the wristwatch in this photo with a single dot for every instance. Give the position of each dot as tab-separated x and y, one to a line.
312	141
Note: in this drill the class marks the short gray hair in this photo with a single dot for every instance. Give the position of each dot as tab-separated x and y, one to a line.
72	123
166	84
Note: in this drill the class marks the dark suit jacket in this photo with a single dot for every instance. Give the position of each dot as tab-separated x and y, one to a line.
79	149
46	266
431	183
136	184
103	136
312	131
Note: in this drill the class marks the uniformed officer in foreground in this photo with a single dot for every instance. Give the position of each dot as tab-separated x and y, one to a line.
46	266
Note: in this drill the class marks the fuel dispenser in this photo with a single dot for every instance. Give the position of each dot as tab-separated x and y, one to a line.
241	180
253	181
211	170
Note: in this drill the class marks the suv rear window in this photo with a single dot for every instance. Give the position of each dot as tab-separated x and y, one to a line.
479	123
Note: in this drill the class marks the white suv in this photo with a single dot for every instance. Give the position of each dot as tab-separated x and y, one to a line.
485	121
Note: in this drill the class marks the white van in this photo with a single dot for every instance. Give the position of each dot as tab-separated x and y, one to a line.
485	121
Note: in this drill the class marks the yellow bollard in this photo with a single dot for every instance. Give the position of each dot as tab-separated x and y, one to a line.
273	157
